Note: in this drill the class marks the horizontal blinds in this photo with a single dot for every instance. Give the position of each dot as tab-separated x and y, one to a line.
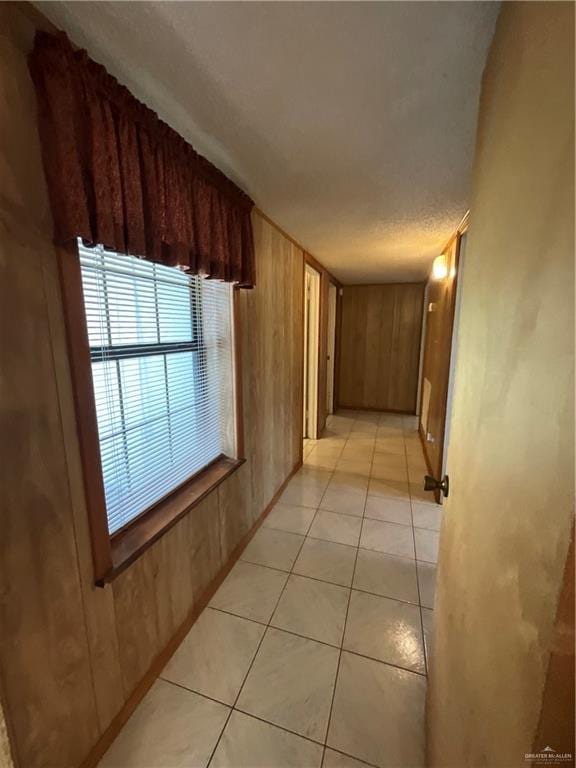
160	345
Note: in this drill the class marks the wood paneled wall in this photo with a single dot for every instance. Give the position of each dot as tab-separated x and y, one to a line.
379	344
71	655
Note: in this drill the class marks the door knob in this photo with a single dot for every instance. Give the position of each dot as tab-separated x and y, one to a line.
431	484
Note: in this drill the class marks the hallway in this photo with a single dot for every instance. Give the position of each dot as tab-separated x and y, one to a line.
320	629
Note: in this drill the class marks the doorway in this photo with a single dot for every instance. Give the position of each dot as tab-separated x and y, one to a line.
454	349
331	352
311	339
443	297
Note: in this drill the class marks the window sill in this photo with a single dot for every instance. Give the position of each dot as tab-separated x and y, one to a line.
129	544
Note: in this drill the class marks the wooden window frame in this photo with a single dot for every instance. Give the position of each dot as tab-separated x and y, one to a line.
112	554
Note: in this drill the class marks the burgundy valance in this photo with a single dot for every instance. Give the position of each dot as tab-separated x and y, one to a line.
120	177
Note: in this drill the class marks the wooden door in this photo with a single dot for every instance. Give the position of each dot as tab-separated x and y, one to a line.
440	307
331	354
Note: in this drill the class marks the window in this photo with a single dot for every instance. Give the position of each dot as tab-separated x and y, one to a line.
161	357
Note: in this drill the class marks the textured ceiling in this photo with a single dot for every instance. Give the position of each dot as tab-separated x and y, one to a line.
352	125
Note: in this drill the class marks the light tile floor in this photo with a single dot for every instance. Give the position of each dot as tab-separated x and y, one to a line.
314	651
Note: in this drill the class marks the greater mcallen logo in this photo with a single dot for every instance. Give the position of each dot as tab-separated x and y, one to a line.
548	756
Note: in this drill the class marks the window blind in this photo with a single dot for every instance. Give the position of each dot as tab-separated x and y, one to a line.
161	355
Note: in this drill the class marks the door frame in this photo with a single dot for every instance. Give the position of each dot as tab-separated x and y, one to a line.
462	240
311	350
331	348
437	470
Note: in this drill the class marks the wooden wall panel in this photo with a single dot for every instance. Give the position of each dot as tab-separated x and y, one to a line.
44	651
72	654
379	346
405	357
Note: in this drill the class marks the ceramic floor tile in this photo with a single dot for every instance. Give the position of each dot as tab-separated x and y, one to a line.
426	545
389	538
392	445
326	560
394	488
378	713
329	453
250	743
276	549
351	467
289	517
170	727
251	591
395	419
417	492
302	493
312	476
427	583
416	472
334	759
389	430
332	441
360	440
312	608
389	510
385	629
355	451
215	655
427	515
347	502
291	683
348	481
383	455
328	465
331	526
326	447
383	458
384	472
386	575
416	467
416	483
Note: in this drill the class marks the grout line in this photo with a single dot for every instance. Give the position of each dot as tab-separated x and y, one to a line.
195	692
281	727
315	640
424	651
340	544
341	649
346	617
334	583
263	720
251	664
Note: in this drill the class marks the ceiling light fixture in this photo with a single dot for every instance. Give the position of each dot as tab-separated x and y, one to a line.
440	268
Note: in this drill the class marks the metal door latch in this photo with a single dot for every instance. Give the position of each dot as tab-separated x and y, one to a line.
431	484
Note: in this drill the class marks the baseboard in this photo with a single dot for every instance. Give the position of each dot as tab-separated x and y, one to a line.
106	739
342	407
